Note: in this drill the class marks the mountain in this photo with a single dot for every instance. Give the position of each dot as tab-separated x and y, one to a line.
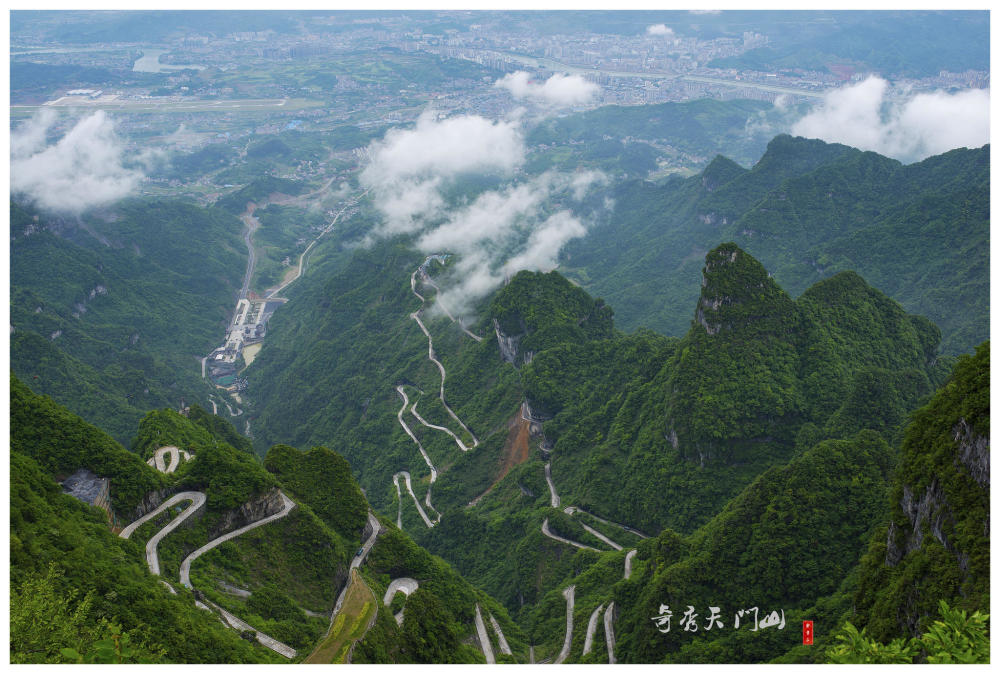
936	543
138	300
807	210
81	592
568	434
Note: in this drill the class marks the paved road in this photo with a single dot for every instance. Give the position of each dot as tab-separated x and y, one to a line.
423	453
367	546
185	574
547	532
264	639
197	499
405	585
409	487
614	524
458	441
588	642
552	486
597	534
252	224
569	593
303	259
430	355
352	573
504	647
427	279
628	563
175	458
484	638
609	632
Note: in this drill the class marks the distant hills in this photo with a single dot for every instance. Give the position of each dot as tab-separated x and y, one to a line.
807	210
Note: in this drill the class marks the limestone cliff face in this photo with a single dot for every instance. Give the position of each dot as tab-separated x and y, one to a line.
149	502
268	503
930	513
938	542
734	386
508	344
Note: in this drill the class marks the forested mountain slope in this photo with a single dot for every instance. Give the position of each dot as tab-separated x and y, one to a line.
618	436
81	591
139	296
807	210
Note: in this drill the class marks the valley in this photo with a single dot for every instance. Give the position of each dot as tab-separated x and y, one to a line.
499	337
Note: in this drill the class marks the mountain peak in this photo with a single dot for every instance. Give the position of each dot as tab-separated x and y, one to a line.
720	171
736	290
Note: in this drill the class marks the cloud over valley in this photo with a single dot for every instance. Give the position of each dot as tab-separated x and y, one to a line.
86	168
519	222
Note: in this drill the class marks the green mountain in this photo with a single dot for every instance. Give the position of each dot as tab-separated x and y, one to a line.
82	593
807	210
138	300
936	543
701	433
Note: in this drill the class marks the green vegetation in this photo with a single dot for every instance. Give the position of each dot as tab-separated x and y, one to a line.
323	480
688	133
62	443
117	332
937	546
953	639
349	625
258	190
807	210
75	585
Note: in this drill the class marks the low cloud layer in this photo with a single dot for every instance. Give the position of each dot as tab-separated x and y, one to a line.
908	127
660	29
409	167
557	91
521	225
504	231
84	169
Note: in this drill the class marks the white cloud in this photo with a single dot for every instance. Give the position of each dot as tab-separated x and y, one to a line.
504	231
705	11
521	225
908	127
409	167
557	91
660	29
87	167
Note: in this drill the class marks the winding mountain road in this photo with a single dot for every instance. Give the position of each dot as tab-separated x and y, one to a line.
609	632
409	488
197	499
504	646
264	639
405	585
597	534
628	563
614	524
175	458
430	356
552	486
569	593
458	441
367	545
555	537
484	638
427	279
423	453
588	642
185	574
430	351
